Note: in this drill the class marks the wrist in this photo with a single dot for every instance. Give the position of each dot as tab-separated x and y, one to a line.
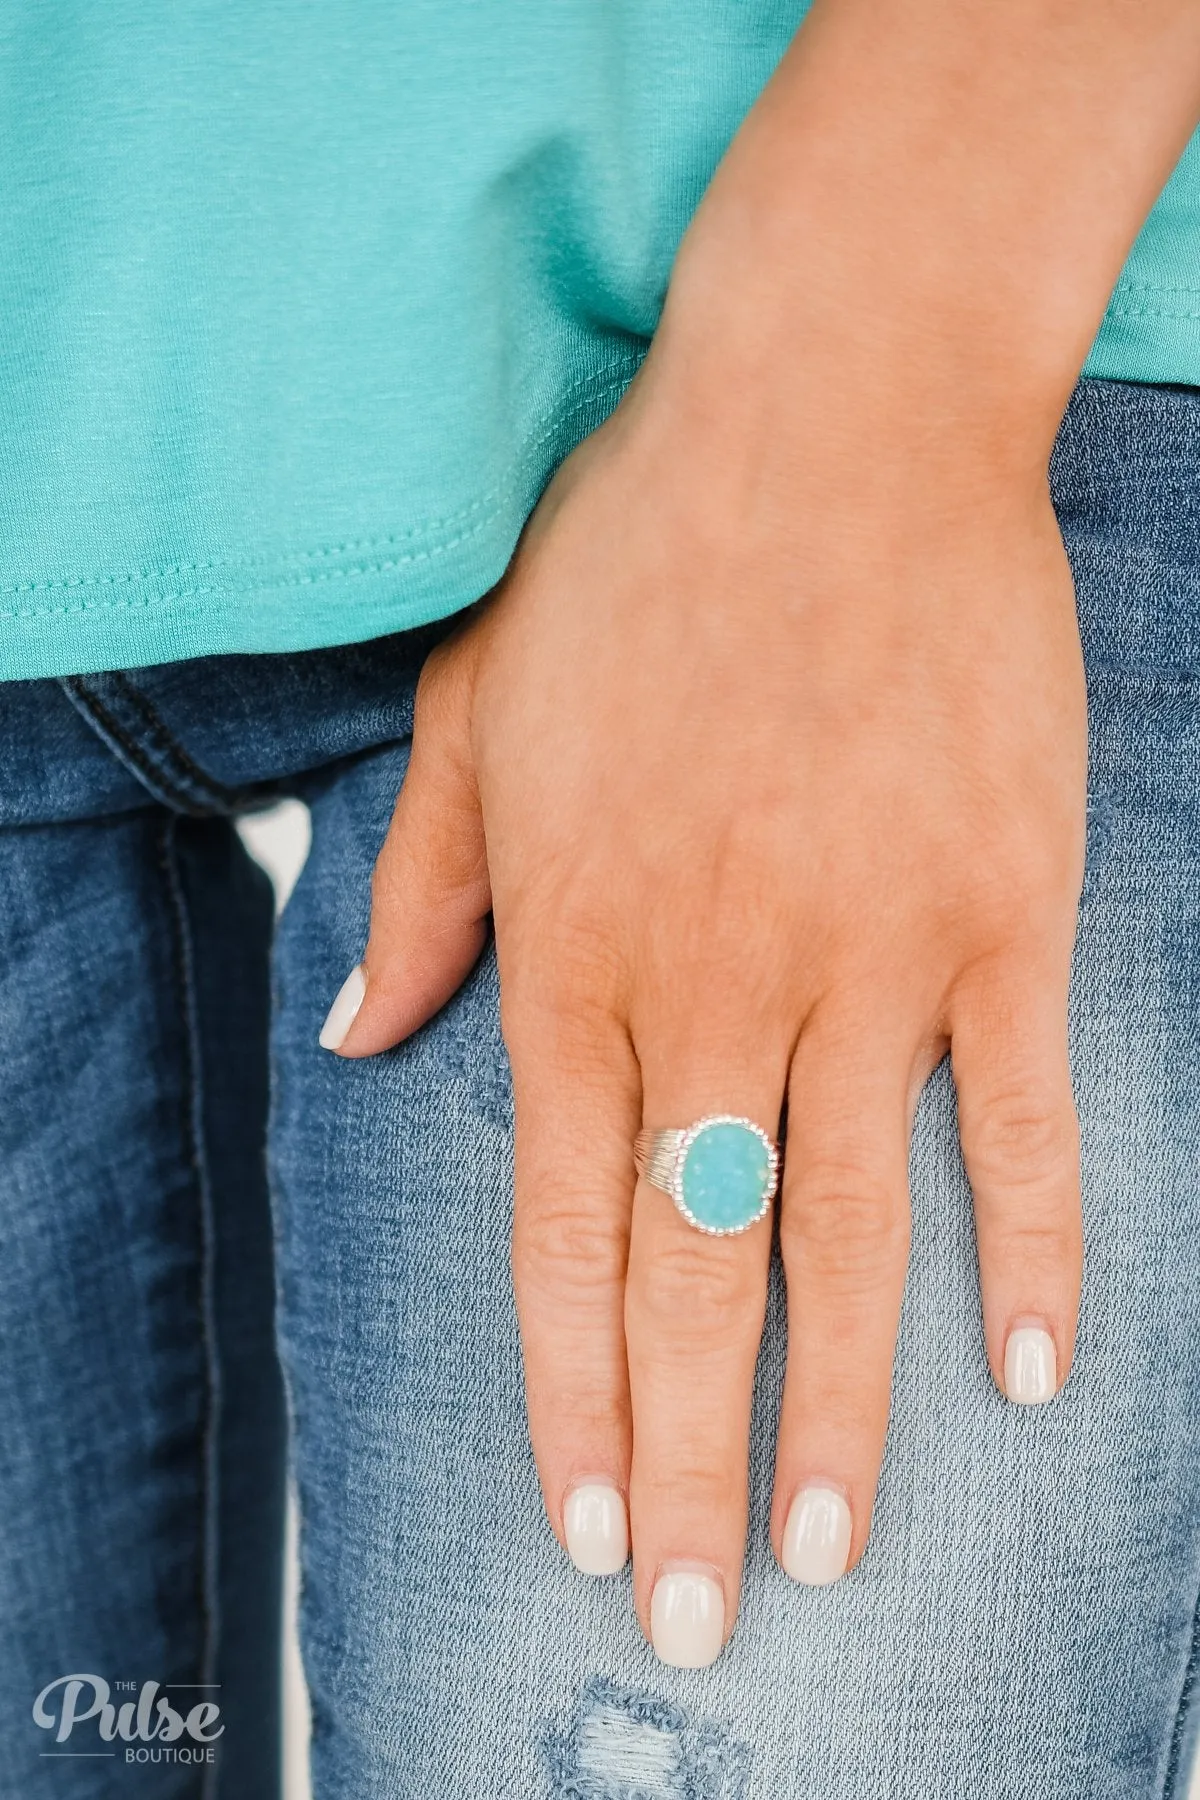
813	319
910	243
844	412
868	376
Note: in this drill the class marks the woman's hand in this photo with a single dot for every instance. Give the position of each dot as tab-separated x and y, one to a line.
774	800
769	756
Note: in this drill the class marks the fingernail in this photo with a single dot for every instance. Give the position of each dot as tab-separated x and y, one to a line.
597	1528
816	1538
1030	1366
344	1010
687	1617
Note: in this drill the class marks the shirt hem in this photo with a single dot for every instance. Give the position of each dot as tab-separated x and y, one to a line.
1125	350
299	600
74	627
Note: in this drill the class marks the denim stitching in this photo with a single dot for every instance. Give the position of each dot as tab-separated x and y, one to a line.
162	764
189	772
194	1144
155	778
602	383
1191	1676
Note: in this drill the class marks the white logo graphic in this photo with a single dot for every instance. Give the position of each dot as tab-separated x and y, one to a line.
148	1724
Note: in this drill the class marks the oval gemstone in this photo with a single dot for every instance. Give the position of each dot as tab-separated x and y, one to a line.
726	1176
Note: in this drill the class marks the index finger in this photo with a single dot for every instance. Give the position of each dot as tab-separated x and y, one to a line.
575	1086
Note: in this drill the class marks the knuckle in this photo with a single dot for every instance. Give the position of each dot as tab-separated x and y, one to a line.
592	1413
567	1250
1032	1249
1018	1137
853	1398
1017	853
691	1481
565	969
571	956
706	1289
844	1221
999	889
581	1046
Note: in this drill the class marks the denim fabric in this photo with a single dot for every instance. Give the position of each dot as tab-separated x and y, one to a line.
141	1424
1025	1619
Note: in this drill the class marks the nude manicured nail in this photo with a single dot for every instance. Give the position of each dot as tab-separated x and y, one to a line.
596	1526
1030	1366
816	1538
687	1616
344	1010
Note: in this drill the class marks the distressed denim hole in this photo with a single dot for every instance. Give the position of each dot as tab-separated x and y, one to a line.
626	1745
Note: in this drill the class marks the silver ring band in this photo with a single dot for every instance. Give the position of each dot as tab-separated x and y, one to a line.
655	1154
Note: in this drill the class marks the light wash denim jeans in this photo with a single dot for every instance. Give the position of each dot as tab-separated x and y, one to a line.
1024	1621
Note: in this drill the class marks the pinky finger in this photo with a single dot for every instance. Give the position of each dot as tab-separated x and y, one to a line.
1020	1138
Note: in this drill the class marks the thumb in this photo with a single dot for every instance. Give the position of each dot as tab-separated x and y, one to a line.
430	893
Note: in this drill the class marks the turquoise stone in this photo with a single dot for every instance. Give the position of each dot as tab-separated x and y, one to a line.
726	1177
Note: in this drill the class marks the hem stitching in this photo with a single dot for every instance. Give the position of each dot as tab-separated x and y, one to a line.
595	387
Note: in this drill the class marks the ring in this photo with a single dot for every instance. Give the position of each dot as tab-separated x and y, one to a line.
721	1172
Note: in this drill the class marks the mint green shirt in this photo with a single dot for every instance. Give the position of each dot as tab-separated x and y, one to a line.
302	303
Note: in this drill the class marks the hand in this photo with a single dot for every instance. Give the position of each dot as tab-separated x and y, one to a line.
769	754
771	795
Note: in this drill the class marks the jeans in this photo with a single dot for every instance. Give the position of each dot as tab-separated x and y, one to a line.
1024	1622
